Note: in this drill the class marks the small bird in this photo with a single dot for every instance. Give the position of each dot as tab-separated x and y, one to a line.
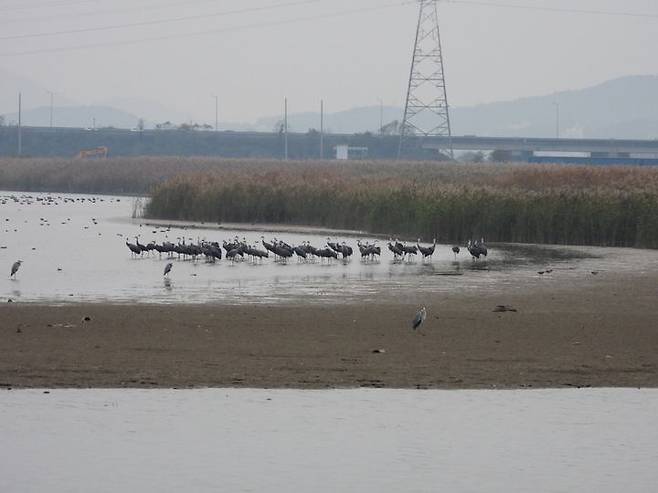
419	318
168	268
15	267
456	251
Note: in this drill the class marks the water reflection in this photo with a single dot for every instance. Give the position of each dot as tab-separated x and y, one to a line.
344	440
75	247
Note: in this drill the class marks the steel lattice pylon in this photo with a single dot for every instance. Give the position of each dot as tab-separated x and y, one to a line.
426	110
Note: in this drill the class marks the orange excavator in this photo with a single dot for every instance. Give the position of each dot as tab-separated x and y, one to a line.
98	153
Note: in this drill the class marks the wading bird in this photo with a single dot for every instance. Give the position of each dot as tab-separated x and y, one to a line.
15	267
456	251
168	268
419	318
134	249
426	251
477	249
397	250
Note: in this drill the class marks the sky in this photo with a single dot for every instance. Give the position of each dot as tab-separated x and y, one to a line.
253	53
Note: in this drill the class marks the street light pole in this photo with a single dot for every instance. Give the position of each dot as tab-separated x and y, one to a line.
216	113
285	128
52	96
557	120
321	129
20	125
381	116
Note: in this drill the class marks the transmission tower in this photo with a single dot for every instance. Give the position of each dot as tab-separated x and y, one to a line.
426	110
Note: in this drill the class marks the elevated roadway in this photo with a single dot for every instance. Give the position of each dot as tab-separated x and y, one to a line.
523	145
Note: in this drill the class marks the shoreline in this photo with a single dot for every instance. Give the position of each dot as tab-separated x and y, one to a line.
259	227
564	337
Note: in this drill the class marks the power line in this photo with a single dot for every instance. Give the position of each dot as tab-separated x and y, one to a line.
552	9
210	31
161	21
46	5
96	13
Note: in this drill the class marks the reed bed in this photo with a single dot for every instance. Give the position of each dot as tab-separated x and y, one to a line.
608	206
135	176
612	206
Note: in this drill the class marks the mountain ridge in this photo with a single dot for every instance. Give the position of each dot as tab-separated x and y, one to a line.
625	107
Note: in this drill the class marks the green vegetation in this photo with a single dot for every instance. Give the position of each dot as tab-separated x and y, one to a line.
535	204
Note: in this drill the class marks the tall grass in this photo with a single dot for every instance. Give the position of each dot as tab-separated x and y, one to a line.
616	206
131	175
538	204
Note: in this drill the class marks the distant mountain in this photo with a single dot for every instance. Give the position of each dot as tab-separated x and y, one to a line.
146	108
363	119
621	108
624	108
77	116
33	94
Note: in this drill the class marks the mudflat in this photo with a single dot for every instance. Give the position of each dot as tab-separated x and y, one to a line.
602	332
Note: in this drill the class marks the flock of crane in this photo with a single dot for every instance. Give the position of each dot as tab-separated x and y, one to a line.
240	250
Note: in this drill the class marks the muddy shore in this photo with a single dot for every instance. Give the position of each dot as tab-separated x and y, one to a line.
602	334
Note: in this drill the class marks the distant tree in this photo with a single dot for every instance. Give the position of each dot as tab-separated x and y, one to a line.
312	132
189	126
2	120
280	127
165	126
410	130
500	156
473	157
392	128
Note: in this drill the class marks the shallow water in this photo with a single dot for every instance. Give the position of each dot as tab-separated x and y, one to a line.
603	440
73	248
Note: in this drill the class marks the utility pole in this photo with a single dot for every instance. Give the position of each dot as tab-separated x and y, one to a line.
285	129
381	116
426	109
216	113
321	129
557	120
52	96
20	128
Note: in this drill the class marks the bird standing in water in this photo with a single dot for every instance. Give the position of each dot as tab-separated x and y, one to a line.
168	268
419	318
15	267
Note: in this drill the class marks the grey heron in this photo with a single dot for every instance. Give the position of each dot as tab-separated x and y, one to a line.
167	268
419	318
15	267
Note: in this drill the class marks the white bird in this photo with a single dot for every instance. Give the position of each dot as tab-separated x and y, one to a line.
168	268
419	318
15	267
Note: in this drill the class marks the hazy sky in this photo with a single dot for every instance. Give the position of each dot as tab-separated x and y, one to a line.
309	50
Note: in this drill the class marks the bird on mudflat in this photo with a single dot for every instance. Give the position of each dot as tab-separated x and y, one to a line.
168	268
15	267
419	318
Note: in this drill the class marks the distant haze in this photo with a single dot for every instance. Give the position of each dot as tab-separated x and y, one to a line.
254	59
621	108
